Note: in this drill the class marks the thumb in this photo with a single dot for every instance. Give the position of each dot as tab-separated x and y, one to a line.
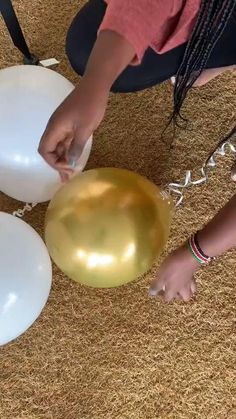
74	152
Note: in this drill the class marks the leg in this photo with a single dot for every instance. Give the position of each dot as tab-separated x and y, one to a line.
82	34
211	73
223	57
155	68
13	26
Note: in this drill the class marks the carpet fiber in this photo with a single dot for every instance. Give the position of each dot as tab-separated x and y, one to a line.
107	354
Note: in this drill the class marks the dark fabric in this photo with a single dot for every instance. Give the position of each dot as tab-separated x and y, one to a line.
155	68
13	26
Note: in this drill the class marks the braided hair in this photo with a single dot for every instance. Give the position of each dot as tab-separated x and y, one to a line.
212	20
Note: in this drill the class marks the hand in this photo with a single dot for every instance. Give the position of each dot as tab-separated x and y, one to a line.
71	125
176	277
83	110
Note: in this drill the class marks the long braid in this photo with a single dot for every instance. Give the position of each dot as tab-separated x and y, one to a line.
212	20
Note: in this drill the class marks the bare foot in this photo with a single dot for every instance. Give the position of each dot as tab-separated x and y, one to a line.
208	75
211	73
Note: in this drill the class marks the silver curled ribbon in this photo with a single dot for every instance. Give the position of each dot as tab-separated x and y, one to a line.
178	188
21	211
173	188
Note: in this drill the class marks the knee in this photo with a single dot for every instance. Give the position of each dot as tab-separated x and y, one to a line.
82	34
77	49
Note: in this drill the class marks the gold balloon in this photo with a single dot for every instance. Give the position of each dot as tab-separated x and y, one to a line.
107	226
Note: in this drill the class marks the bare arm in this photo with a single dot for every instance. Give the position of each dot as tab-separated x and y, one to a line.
111	54
82	111
220	234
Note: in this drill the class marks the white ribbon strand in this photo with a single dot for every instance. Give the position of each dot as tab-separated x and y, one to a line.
21	211
178	188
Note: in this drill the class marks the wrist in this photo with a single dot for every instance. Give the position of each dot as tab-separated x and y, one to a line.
90	93
191	262
196	251
209	247
98	85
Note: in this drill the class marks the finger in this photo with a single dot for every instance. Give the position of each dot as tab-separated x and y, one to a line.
52	149
65	176
185	294
63	148
48	156
56	163
169	295
74	152
47	146
56	159
62	161
193	287
156	287
61	151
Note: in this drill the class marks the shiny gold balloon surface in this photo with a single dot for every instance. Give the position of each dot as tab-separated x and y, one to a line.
107	226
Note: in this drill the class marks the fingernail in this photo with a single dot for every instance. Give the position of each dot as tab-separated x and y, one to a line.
72	163
152	292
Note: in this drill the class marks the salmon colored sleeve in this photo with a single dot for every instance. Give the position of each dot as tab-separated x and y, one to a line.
139	21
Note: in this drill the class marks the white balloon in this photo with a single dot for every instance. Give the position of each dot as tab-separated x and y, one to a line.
25	276
28	97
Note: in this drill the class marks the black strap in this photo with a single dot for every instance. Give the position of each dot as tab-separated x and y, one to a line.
15	31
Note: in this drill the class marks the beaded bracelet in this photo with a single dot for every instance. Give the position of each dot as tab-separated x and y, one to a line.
197	252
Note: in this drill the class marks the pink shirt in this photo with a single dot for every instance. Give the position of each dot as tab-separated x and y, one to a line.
159	24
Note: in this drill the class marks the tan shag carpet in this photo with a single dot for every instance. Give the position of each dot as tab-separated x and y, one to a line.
107	354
